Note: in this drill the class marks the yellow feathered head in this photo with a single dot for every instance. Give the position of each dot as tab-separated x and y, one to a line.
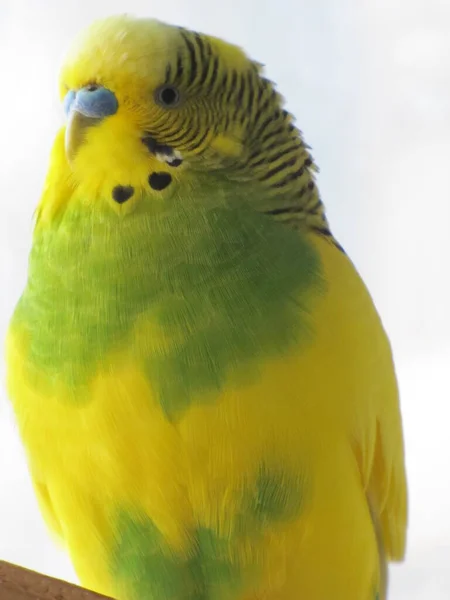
142	96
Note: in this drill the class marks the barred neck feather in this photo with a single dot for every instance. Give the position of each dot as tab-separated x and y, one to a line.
281	162
242	104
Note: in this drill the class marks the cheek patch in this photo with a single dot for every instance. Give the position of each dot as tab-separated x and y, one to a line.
164	153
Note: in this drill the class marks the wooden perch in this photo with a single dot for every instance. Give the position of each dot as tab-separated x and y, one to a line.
17	583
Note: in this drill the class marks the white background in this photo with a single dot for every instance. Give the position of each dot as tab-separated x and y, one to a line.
369	82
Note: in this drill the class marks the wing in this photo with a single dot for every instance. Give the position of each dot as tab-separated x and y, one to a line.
372	406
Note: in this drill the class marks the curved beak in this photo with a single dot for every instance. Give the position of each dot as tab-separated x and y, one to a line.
77	123
87	107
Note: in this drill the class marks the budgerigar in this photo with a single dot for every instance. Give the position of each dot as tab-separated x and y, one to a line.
204	389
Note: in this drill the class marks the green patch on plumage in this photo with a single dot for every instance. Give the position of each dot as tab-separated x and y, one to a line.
222	285
143	565
216	568
146	567
274	498
278	496
218	565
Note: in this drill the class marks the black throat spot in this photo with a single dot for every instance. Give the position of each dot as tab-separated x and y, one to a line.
122	193
159	181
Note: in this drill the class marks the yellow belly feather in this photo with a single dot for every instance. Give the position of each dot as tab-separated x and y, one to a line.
315	412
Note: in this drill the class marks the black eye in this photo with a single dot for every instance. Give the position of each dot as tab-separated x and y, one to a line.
167	96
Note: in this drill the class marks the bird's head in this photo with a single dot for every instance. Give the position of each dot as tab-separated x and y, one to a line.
148	104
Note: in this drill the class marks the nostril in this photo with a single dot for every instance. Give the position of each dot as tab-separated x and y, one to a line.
95	101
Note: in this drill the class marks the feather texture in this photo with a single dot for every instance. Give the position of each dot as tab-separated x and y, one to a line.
203	386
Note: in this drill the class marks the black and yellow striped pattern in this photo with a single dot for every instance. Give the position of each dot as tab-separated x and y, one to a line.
235	99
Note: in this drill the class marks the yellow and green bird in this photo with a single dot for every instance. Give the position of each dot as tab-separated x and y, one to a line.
202	384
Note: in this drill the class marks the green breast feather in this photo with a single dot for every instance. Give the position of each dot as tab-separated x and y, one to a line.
226	284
